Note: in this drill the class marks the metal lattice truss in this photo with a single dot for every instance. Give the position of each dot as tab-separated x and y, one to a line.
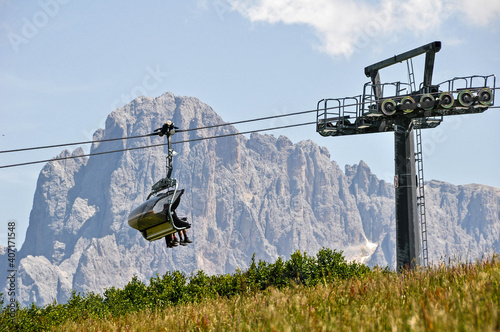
365	113
382	104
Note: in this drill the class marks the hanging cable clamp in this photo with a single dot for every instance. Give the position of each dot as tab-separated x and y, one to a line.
167	129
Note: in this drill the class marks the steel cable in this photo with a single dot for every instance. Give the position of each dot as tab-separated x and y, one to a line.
199	128
181	131
155	145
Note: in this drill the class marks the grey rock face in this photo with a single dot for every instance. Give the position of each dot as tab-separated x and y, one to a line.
260	195
465	220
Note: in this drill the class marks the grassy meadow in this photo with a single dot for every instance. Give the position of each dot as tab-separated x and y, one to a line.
322	293
462	298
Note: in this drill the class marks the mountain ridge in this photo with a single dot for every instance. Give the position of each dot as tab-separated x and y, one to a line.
262	195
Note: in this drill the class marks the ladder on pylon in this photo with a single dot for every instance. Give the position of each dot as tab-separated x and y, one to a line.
421	196
411	76
420	173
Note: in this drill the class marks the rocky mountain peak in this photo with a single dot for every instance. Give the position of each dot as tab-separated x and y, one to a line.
262	195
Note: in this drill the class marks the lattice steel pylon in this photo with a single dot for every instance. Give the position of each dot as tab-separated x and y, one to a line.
383	107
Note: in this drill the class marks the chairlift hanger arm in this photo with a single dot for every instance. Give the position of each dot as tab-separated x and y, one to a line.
167	129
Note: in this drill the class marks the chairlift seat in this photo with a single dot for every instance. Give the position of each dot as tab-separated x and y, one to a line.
152	217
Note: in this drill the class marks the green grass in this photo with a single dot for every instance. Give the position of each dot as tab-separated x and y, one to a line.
322	293
460	298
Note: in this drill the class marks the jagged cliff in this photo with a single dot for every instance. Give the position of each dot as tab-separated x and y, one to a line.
262	195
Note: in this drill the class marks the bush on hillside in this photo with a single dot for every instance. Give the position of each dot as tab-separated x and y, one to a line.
176	288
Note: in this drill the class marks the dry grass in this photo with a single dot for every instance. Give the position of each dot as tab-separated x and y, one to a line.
461	298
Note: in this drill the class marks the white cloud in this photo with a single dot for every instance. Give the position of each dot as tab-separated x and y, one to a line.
343	26
477	12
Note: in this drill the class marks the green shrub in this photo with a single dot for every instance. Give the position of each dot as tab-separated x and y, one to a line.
175	288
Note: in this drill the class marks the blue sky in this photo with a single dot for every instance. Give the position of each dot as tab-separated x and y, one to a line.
66	64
